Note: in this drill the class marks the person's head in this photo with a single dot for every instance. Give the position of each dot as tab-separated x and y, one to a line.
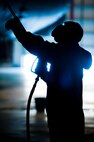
70	31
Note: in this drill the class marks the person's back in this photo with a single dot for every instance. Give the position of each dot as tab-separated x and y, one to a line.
64	97
64	94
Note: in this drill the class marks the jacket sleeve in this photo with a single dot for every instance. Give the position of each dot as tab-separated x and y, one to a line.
35	44
31	42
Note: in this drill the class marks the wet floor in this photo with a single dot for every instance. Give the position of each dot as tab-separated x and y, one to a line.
15	86
13	126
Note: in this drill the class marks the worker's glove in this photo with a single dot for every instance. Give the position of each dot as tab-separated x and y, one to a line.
12	23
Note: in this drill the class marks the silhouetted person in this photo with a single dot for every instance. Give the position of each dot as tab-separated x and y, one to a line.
64	103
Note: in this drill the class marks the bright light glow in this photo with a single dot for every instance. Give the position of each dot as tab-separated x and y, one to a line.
48	67
34	65
89	74
28	61
88	87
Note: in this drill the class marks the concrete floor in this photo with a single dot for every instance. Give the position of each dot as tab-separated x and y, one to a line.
15	86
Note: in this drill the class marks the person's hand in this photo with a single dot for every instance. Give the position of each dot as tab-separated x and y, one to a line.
11	23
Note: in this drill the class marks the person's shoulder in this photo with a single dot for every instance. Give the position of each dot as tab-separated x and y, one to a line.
50	44
84	50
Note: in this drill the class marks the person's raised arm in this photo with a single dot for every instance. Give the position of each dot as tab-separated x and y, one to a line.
30	41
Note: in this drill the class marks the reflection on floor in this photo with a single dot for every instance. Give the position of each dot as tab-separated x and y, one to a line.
15	86
13	126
